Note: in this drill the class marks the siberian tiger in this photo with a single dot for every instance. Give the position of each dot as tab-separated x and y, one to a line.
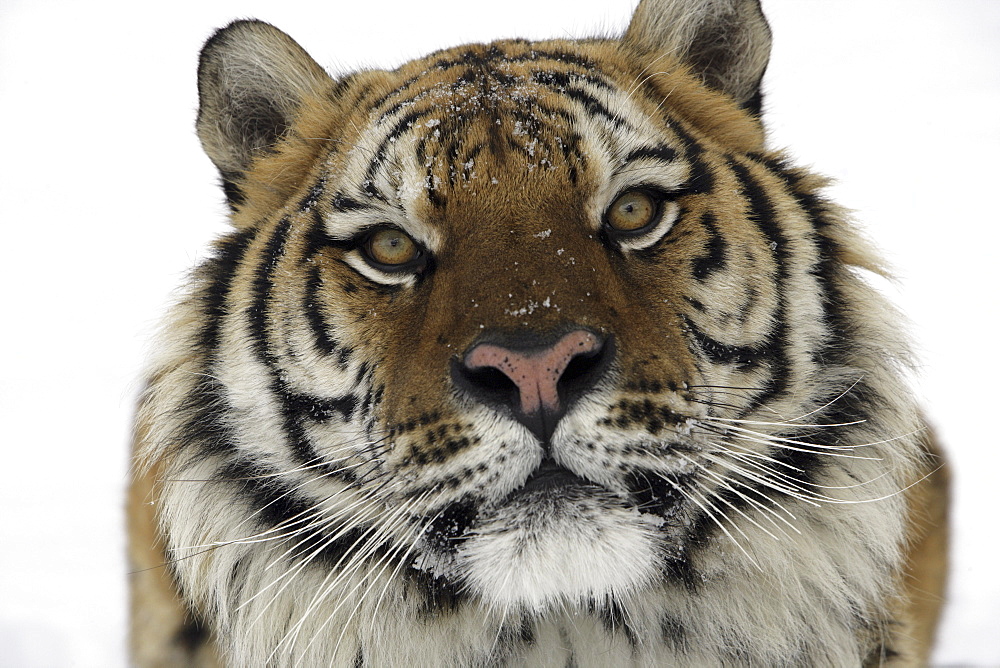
528	353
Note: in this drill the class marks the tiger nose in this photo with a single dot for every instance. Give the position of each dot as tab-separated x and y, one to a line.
536	381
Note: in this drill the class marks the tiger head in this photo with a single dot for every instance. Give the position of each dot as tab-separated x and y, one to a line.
524	326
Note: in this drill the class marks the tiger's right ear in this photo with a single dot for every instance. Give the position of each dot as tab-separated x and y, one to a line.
252	80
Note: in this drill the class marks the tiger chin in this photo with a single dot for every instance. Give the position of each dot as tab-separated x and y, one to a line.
528	353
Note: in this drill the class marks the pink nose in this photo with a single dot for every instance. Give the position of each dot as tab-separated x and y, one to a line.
535	374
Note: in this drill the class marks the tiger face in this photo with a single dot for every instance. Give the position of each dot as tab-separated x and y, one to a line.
526	352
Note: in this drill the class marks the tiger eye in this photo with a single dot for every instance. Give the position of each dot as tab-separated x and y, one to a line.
632	211
391	247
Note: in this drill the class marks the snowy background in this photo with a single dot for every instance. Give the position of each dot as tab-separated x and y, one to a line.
106	200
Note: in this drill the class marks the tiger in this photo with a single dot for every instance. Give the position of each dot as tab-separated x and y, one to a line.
529	353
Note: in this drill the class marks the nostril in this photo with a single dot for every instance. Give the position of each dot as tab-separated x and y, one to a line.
580	366
585	369
487	383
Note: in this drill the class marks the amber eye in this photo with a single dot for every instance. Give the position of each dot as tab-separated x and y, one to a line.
390	248
632	211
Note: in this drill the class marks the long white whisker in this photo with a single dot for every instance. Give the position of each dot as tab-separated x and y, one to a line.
727	484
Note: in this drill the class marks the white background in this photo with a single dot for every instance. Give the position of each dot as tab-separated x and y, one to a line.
106	200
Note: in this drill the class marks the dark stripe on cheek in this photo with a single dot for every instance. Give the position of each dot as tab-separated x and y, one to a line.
716	247
721	353
219	273
262	286
274	504
257	318
205	427
321	409
325	343
763	214
828	269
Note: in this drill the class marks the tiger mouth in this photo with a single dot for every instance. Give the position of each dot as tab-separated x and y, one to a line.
549	477
551	483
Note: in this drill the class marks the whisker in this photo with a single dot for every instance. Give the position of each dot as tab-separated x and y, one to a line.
711	516
757	504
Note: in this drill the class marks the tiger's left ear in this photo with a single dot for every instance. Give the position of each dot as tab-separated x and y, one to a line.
727	42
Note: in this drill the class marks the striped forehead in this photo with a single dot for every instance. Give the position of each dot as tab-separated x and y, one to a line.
516	100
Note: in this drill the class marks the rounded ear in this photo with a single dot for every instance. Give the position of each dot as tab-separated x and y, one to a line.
252	80
727	42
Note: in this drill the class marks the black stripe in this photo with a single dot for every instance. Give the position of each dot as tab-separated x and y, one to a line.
564	83
861	402
325	343
294	408
373	192
235	196
191	636
316	239
697	305
652	492
320	409
257	317
802	465
341	202
828	270
466	59
274	504
262	287
716	247
440	594
484	62
663	153
565	57
402	125
701	180
204	428
763	215
218	273
450	529
341	86
722	353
